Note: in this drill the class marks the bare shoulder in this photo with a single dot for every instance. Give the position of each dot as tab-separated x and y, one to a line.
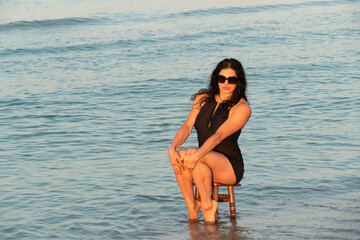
197	105
199	99
242	107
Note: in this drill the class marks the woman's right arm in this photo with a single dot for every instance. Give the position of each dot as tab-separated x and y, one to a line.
183	133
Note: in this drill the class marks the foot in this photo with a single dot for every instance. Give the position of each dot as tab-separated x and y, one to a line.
209	216
193	215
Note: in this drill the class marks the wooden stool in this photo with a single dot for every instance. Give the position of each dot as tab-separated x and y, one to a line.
230	197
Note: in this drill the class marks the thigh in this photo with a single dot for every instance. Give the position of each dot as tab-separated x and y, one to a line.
221	167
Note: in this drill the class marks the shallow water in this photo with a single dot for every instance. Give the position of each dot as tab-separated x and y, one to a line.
92	93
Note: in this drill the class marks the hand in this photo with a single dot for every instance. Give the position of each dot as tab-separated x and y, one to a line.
175	161
178	168
189	161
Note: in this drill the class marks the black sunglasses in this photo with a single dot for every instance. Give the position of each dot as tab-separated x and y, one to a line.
231	80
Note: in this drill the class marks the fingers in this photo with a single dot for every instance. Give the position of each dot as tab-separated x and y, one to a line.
185	166
178	169
181	163
182	167
191	167
188	168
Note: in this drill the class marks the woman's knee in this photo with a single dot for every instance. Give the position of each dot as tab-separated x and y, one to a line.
186	151
202	169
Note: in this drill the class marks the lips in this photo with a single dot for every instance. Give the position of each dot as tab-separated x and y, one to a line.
226	88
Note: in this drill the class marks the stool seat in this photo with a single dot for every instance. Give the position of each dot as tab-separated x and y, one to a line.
229	197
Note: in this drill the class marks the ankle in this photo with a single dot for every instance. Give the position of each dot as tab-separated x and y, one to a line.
191	206
206	206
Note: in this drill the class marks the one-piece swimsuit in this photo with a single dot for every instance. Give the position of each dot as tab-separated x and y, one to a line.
206	124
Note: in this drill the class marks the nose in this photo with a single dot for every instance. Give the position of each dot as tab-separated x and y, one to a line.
226	82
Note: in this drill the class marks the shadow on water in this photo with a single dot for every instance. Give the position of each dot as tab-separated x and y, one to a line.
220	230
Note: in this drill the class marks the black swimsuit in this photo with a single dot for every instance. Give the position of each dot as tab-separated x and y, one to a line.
206	124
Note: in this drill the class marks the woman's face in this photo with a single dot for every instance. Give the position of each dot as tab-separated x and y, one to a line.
226	88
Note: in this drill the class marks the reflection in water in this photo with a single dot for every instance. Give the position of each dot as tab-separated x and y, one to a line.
220	230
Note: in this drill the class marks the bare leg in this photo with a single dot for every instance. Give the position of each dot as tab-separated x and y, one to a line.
185	182
203	179
213	166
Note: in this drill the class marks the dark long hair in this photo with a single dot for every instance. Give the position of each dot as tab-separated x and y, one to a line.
240	90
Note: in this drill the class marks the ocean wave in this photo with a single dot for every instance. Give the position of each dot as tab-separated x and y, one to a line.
251	8
96	46
62	49
50	23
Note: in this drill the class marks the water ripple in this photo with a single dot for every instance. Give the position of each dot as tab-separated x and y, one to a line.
89	106
51	23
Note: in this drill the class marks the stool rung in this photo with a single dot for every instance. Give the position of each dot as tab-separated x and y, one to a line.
224	198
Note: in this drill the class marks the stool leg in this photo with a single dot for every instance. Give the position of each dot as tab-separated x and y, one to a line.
197	194
215	196
232	201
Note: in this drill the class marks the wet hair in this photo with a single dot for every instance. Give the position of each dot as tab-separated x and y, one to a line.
240	90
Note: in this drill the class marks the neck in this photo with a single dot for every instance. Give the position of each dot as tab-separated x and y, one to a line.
224	97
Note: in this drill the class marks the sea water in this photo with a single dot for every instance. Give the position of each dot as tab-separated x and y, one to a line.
93	92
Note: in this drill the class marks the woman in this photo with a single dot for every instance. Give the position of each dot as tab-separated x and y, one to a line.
218	114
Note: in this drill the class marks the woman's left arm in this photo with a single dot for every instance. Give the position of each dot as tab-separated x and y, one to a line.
237	119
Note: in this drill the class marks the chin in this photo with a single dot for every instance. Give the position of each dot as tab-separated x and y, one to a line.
228	91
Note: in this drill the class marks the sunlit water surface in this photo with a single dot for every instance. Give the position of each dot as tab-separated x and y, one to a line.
92	93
